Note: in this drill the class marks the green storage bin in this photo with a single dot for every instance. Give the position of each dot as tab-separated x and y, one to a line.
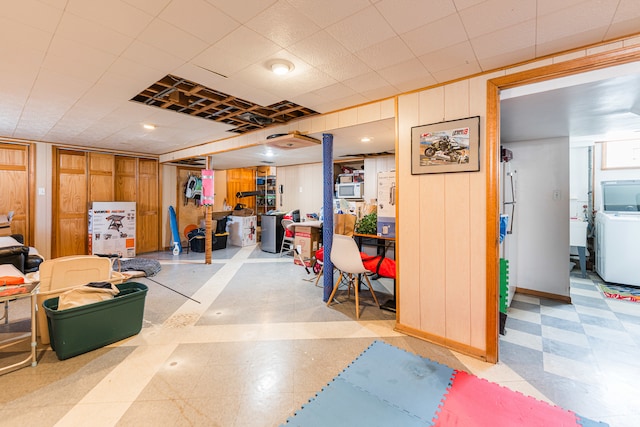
81	329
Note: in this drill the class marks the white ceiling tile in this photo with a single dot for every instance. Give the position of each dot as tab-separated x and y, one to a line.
590	19
546	7
493	15
199	18
319	49
17	37
407	15
331	11
340	104
457	72
114	14
242	11
283	24
366	82
334	91
361	30
344	67
32	13
419	44
152	7
91	34
248	45
221	61
380	92
410	70
516	37
386	53
463	4
450	57
88	63
152	57
171	39
565	43
507	58
626	19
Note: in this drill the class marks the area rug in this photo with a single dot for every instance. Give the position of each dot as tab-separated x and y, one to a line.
621	292
387	386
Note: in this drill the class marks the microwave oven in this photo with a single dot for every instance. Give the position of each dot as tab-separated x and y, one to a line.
350	190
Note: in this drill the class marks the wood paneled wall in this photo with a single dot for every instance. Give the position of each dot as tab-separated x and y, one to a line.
241	180
15	173
81	178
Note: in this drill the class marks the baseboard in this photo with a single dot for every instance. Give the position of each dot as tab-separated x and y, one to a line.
444	342
548	295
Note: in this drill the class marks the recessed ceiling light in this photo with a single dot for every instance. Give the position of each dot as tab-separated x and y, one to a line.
149	126
281	67
269	153
365	139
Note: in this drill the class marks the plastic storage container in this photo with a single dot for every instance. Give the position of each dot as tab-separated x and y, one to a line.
81	329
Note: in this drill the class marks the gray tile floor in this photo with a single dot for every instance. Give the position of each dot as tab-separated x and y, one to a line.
584	356
246	340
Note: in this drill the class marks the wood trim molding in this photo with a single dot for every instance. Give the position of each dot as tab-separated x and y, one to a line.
442	341
591	62
533	292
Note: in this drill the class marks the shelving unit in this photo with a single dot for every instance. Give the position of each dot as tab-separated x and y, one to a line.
266	182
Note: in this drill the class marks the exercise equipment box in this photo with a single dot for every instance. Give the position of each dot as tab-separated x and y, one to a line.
81	329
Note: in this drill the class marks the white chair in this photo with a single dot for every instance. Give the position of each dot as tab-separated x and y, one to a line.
288	242
345	256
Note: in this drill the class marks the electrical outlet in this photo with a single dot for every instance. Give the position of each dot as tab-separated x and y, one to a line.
556	194
40	191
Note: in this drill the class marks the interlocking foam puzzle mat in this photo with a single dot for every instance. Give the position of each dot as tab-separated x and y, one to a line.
387	386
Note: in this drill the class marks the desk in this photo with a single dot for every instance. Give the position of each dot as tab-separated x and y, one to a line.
383	243
32	290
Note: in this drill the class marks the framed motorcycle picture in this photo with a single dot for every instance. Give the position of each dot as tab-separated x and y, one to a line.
449	146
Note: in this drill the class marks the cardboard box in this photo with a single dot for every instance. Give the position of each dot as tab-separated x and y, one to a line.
242	230
307	241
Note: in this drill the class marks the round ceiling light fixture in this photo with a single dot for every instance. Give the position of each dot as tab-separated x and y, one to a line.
281	67
149	126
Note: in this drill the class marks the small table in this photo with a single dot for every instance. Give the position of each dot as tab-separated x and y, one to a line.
32	290
383	242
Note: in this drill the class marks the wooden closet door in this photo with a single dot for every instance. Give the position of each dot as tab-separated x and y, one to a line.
14	176
70	203
101	177
147	206
241	180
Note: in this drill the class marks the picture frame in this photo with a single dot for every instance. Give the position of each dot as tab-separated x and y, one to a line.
447	146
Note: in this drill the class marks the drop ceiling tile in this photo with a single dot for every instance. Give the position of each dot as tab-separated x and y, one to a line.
34	14
463	4
564	43
493	15
366	82
580	18
454	73
283	24
626	19
220	61
115	14
361	30
248	45
507	58
546	7
334	91
17	37
199	18
404	72
88	63
91	34
341	104
242	11
380	92
499	42
385	53
152	7
344	67
319	49
450	57
407	15
331	11
420	45
172	40
151	56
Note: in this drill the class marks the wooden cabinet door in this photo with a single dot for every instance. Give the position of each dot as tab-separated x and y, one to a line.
14	176
70	203
241	180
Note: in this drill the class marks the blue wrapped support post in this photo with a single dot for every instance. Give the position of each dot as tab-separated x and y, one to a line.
327	212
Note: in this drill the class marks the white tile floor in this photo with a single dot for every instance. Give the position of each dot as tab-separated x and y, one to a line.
255	341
